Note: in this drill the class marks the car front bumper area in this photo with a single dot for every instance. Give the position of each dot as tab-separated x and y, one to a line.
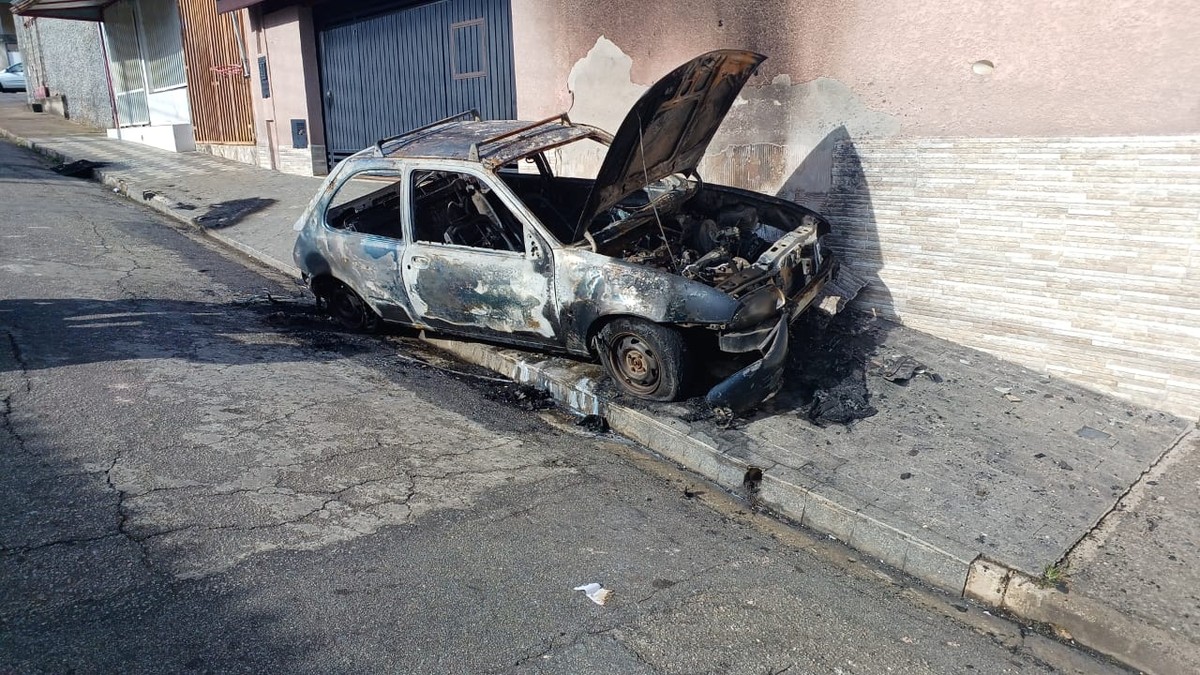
758	381
762	379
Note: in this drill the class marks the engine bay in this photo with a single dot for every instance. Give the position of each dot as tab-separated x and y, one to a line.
708	236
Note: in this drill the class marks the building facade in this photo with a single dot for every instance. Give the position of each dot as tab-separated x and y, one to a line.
171	73
335	77
65	68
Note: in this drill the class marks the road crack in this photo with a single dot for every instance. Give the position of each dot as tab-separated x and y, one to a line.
6	406
332	497
74	541
123	516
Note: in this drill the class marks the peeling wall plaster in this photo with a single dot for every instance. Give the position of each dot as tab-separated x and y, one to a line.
601	86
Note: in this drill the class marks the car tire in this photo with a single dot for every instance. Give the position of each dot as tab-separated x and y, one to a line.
645	359
346	308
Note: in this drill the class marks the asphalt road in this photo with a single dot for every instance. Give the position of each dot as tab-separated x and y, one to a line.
197	475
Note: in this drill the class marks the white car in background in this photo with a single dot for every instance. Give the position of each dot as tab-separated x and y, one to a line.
12	78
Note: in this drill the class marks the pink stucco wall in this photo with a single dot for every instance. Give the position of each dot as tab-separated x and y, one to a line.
1062	67
286	38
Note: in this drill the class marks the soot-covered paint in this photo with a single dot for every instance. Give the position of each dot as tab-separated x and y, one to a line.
698	258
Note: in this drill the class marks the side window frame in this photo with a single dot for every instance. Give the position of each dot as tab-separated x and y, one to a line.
497	188
400	173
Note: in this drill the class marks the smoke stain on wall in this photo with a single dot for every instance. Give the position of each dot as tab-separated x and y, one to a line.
775	139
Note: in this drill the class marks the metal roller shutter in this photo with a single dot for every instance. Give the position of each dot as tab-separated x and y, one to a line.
384	74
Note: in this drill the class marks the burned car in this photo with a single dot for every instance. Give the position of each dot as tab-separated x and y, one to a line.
473	228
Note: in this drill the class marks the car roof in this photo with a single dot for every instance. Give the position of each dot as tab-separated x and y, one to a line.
492	143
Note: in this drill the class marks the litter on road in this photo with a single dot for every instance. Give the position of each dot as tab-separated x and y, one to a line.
595	592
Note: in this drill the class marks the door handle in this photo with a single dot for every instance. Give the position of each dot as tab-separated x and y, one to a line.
419	261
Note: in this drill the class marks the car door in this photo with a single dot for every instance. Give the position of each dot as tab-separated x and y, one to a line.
474	266
365	239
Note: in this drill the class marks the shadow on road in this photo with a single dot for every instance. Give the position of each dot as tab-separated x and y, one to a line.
80	331
81	593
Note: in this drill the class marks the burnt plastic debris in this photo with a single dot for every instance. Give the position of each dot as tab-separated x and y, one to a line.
842	403
756	382
594	423
524	396
80	168
902	368
826	380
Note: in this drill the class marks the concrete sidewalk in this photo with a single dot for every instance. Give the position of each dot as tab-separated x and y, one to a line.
1024	492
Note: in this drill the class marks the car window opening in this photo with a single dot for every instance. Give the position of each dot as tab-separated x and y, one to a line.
460	210
362	205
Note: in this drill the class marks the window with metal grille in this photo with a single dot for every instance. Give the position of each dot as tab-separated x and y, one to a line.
128	78
162	44
120	27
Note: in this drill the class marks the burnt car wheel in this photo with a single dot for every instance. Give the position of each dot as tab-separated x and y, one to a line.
644	358
345	307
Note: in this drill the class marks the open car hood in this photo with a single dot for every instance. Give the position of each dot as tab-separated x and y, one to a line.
669	128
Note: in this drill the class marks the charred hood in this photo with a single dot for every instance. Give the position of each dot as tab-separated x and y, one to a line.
669	128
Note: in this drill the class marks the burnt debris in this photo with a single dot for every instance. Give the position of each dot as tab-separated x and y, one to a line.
593	423
902	368
826	377
80	168
842	403
522	396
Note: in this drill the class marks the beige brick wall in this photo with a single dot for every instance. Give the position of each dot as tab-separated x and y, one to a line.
246	154
308	161
1078	257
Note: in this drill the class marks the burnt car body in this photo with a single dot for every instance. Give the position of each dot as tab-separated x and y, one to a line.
462	227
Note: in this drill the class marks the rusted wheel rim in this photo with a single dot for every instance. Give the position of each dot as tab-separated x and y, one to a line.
635	363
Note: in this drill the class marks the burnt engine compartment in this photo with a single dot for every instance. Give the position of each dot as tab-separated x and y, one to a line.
706	236
695	247
702	232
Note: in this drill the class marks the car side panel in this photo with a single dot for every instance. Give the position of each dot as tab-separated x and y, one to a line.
368	264
593	286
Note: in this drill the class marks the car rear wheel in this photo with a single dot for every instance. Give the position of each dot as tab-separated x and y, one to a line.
345	307
645	359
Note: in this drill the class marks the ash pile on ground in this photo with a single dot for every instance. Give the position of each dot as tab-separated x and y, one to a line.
80	168
827	367
520	395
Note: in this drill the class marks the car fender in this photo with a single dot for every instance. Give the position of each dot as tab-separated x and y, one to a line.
592	287
312	247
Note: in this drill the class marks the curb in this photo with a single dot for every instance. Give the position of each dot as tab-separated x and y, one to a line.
938	561
1088	621
942	563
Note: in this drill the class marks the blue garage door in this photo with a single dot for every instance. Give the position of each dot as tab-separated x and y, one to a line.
387	74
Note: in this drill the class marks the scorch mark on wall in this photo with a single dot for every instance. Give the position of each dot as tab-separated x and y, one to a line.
777	137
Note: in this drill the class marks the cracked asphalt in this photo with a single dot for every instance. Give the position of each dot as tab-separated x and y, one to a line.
198	475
